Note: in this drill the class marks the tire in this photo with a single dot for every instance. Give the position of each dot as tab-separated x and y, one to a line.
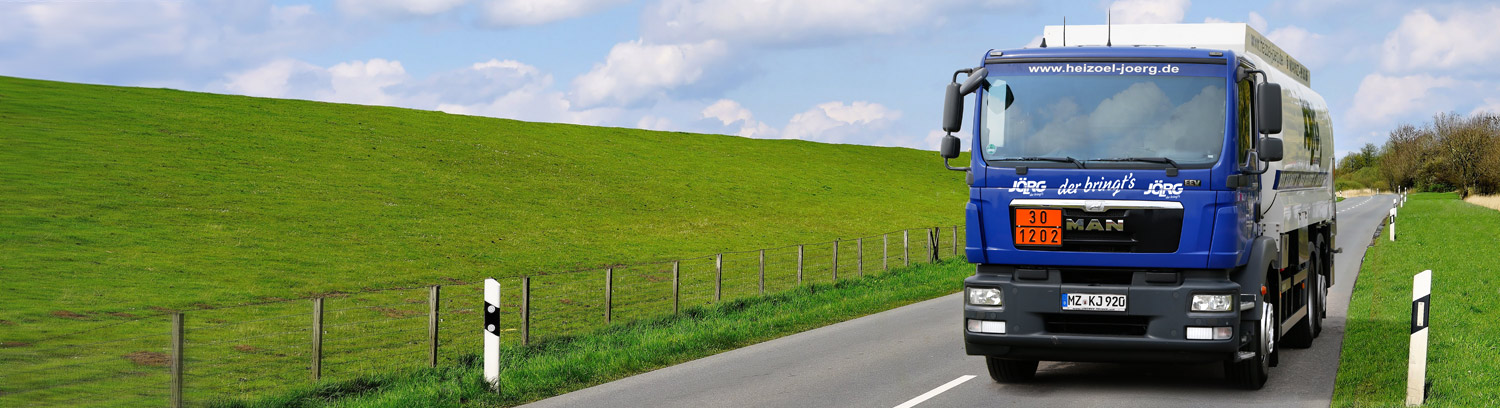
1011	371
1252	373
1319	304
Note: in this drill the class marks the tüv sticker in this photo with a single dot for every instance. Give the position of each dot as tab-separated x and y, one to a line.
1030	188
1164	190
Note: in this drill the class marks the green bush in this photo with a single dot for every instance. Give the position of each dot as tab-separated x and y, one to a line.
1342	185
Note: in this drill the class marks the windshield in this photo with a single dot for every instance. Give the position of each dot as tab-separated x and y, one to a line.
1106	111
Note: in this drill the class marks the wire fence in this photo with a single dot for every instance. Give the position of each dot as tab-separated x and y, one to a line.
210	355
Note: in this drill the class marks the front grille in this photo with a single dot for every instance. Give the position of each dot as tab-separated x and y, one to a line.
1154	230
1096	277
1120	325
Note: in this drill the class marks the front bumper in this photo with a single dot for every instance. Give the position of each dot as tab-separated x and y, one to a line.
1152	328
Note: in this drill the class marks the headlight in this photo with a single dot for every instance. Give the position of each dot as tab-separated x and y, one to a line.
984	296
1212	303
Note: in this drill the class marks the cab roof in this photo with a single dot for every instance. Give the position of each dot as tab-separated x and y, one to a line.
1082	53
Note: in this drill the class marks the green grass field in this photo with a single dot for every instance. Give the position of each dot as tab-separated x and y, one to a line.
573	363
119	205
1457	241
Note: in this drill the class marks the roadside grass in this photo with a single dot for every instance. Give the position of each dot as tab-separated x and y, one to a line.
120	205
1457	242
566	364
119	199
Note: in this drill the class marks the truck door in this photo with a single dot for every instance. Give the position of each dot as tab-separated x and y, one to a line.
1247	194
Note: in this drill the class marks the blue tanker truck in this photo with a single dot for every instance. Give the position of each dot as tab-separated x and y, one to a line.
1144	193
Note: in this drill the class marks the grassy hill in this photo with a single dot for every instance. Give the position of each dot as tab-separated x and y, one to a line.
120	202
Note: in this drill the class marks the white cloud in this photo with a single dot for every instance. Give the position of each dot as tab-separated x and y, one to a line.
493	13
1382	100
152	41
397	8
1465	39
636	72
364	82
934	140
730	112
650	122
514	13
727	111
1257	22
1314	9
1254	20
790	22
360	82
1491	106
1148	11
1308	47
836	122
497	88
282	78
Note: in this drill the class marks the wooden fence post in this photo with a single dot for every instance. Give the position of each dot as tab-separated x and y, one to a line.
176	385
609	294
762	271
525	310
835	260
934	236
932	245
799	265
859	252
955	241
885	251
906	247
317	339
434	294
676	289
718	277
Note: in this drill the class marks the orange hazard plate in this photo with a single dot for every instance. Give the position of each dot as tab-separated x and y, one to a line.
1035	226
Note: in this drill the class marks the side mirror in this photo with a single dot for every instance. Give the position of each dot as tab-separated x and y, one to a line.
1268	108
949	148
953	109
1270	149
953	101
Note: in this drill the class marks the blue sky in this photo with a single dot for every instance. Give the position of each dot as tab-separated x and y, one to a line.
842	71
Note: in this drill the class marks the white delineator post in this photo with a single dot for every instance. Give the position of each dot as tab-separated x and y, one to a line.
492	333
1393	225
1416	363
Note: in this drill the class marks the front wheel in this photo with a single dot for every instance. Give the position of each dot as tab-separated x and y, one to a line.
1252	373
1011	371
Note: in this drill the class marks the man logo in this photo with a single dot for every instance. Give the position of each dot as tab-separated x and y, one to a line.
1093	206
1093	224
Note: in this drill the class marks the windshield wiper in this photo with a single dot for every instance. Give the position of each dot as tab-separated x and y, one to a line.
1066	159
1162	160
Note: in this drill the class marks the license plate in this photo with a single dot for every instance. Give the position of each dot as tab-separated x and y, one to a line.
1093	301
1036	226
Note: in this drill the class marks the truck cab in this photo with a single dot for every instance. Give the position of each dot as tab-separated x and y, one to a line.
1142	203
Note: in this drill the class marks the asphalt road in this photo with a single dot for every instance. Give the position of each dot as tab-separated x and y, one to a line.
913	356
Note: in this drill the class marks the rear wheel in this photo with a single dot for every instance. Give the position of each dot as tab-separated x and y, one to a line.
1011	371
1320	295
1251	373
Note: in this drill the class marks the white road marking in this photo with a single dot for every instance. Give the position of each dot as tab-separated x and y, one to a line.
935	391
